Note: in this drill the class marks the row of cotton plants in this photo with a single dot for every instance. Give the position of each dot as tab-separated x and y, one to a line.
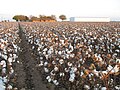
8	55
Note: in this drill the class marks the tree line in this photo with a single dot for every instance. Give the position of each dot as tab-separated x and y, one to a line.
40	18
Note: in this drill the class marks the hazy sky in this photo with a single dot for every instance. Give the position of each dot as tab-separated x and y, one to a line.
84	8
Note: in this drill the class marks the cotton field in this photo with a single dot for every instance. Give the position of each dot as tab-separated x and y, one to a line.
60	56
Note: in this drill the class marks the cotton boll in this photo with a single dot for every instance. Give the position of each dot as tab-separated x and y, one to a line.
45	49
74	69
41	58
66	50
10	63
61	61
42	43
72	74
87	87
46	70
44	53
2	46
39	48
67	56
15	47
49	80
48	77
86	52
57	59
4	79
89	55
2	87
52	73
103	88
11	70
49	52
45	63
4	56
90	50
41	63
69	64
80	59
15	88
53	62
104	72
113	70
100	59
79	65
61	74
71	47
10	59
72	77
3	63
11	55
116	68
15	56
55	82
96	72
62	41
109	68
1	40
59	52
33	47
3	70
72	55
75	32
117	87
66	70
56	52
56	68
81	74
114	55
118	60
46	57
0	54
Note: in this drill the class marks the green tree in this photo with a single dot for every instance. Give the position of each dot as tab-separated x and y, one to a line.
43	17
26	18
20	18
16	17
53	17
34	18
62	17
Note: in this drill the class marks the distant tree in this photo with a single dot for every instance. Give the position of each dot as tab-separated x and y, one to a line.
20	18
43	17
62	17
53	17
49	18
16	17
34	18
26	18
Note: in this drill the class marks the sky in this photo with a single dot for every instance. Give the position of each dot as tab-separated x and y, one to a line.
70	8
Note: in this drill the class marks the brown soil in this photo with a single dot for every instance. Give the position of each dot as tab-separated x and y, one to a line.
28	77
